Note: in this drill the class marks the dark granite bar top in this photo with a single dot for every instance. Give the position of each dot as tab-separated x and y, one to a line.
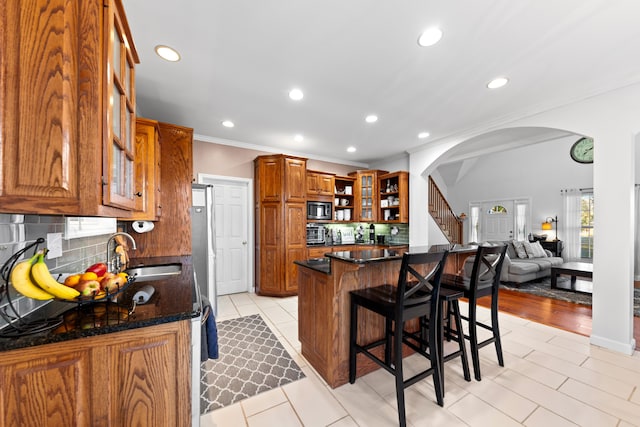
367	255
364	256
336	245
323	265
174	299
458	248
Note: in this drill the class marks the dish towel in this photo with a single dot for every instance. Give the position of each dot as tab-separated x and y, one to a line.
209	343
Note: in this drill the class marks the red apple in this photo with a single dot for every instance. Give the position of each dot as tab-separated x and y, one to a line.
88	287
112	283
100	269
104	279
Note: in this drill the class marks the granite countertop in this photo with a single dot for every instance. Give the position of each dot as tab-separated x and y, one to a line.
363	256
366	256
323	265
335	245
174	299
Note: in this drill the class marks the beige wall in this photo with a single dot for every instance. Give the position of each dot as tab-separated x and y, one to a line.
225	160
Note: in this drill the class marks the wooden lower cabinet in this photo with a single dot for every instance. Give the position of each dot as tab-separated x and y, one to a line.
316	304
140	377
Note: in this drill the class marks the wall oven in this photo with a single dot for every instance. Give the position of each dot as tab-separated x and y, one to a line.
319	210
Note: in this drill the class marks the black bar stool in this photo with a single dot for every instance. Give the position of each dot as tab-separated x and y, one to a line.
417	296
484	280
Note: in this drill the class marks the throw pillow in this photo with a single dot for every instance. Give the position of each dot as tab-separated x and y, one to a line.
528	249
538	250
519	247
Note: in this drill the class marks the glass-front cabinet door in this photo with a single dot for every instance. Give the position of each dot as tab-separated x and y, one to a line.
120	114
367	191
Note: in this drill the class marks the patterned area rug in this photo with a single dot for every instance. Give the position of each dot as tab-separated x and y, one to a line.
543	289
252	360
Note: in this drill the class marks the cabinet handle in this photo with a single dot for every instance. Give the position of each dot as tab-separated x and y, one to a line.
138	194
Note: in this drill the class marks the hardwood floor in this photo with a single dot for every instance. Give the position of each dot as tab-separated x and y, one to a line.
560	314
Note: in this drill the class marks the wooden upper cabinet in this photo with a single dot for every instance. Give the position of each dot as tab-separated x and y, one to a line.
295	170
147	171
172	235
320	186
268	172
366	192
281	178
394	197
119	92
53	106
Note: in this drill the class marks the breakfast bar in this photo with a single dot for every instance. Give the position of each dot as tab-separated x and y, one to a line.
323	304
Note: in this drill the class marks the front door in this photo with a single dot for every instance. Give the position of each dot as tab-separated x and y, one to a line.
497	221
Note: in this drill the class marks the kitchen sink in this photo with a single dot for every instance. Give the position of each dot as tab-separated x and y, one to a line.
148	273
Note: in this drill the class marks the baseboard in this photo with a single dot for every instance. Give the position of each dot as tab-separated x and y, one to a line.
626	348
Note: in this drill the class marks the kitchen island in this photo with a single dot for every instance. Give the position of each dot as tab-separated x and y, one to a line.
106	364
323	304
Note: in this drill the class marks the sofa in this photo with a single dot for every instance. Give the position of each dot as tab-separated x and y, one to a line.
524	261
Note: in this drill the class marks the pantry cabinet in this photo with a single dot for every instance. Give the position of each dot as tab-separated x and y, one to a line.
67	123
118	379
280	192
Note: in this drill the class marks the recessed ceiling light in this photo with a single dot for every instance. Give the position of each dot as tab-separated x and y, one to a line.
423	135
296	94
371	118
351	149
497	82
430	37
167	53
298	138
228	124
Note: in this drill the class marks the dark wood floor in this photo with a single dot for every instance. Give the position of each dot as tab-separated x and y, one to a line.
560	314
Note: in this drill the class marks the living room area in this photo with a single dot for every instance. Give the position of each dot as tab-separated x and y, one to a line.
536	194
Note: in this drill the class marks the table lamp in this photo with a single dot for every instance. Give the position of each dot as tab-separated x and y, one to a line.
548	225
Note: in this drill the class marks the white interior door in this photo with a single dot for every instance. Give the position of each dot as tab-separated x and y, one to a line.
497	219
231	231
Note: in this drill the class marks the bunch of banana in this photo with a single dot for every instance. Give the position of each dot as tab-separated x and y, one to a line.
43	278
21	281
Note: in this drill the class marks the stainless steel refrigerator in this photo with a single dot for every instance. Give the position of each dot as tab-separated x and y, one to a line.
203	242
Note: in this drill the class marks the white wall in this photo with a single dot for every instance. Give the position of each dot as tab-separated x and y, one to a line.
537	172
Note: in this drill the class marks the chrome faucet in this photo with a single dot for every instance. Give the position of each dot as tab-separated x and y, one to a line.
114	265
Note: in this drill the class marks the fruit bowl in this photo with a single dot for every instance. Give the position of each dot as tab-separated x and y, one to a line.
100	296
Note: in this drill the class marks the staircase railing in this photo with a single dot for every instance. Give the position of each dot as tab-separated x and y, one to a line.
443	215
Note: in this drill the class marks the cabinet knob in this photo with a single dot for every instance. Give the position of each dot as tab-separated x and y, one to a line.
138	194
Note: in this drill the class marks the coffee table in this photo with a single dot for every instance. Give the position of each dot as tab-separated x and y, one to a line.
573	269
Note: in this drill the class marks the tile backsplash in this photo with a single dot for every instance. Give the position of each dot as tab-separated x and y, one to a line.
17	231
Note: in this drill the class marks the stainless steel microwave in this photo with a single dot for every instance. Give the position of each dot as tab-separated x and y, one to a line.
319	210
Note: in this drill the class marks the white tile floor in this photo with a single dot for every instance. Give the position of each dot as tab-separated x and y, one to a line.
551	378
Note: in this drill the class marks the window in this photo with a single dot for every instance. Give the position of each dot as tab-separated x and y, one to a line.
474	223
522	211
586	225
497	209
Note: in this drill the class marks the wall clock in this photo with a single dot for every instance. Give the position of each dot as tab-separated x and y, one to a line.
582	150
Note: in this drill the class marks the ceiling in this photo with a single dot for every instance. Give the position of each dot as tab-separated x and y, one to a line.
240	58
